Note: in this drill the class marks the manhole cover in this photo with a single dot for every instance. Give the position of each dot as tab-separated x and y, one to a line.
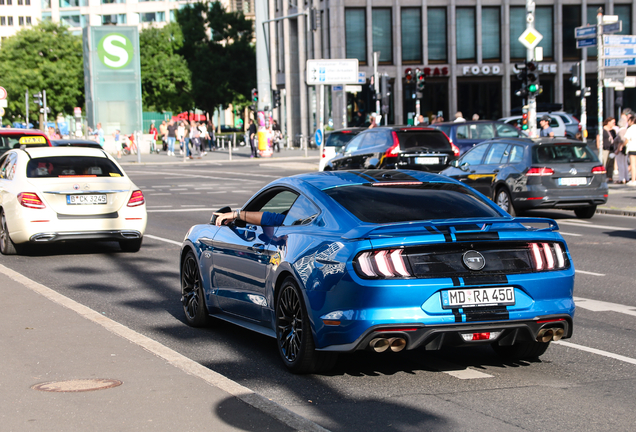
78	385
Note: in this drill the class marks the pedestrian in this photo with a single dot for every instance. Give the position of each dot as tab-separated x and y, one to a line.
195	138
420	119
459	117
99	134
163	132
620	148
205	137
181	137
277	136
608	147
172	136
475	117
155	134
546	130
630	147
212	135
252	137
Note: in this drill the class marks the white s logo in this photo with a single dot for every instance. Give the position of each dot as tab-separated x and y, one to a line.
115	51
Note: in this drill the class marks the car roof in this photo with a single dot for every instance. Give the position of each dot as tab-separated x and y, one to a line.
349	129
330	179
454	123
18	131
535	141
79	142
63	151
404	128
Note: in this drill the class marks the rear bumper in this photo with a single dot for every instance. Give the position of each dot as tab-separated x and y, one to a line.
51	237
569	202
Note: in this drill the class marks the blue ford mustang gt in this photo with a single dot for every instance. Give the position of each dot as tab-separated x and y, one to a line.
381	260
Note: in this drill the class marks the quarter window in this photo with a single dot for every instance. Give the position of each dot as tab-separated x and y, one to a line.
516	154
301	213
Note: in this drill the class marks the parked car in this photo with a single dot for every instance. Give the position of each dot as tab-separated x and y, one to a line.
73	142
14	138
380	260
406	147
556	123
67	194
572	124
335	143
524	174
467	134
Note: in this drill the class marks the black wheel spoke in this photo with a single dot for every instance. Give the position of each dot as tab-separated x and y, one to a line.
289	324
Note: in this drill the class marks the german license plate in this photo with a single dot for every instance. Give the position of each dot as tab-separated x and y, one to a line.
471	297
86	199
427	160
573	181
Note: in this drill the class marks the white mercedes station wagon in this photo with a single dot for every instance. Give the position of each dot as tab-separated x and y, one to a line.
53	194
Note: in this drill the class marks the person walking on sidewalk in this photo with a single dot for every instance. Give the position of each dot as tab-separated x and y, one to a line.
630	147
608	146
619	148
172	137
163	133
253	137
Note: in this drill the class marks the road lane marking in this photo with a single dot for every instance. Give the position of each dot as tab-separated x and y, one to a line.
189	366
614	228
190	209
588	273
468	373
597	351
166	206
177	189
163	239
157	194
601	306
192	205
570	234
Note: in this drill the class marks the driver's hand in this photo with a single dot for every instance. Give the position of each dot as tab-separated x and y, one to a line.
223	218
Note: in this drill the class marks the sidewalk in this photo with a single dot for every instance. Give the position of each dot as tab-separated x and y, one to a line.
45	338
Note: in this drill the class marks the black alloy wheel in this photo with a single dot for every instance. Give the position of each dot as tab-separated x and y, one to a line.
192	298
7	247
293	333
503	200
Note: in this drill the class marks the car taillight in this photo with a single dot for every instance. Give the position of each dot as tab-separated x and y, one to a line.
547	256
323	152
384	263
455	149
543	171
395	148
599	170
136	199
30	200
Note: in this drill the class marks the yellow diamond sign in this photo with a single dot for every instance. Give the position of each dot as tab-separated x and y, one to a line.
530	38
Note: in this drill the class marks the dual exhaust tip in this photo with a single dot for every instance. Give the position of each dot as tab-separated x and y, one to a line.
550	334
381	344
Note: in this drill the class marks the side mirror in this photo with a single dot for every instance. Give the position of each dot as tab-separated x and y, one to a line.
225	209
464	167
455	163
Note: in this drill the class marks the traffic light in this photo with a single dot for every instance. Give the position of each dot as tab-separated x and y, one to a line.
523	77
276	98
37	99
534	89
254	95
408	75
420	78
575	70
524	118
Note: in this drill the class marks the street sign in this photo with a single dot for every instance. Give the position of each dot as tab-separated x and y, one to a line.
318	137
342	71
618	85
622	51
613	28
614	73
1	112
362	77
619	40
3	93
3	103
530	38
618	62
584	32
630	81
336	88
584	43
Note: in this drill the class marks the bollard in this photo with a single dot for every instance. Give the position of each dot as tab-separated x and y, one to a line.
306	145
137	136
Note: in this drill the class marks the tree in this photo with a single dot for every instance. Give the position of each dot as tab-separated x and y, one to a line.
44	57
165	78
219	51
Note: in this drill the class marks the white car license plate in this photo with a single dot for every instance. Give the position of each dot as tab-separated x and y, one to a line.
427	160
86	199
502	296
573	181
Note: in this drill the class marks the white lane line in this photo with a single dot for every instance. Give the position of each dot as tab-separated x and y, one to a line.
190	209
157	194
570	234
588	273
468	373
166	206
601	306
597	351
190	193
217	192
178	189
192	205
163	239
238	173
614	228
282	414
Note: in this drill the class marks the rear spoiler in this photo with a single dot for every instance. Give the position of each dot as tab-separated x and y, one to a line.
473	225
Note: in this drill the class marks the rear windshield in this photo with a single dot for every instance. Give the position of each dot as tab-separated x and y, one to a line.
562	153
432	140
72	166
429	201
338	139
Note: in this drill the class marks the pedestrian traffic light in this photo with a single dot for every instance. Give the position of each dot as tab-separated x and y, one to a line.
254	95
276	98
37	98
534	88
575	70
408	75
524	119
523	77
420	78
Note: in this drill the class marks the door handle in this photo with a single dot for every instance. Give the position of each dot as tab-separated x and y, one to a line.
495	171
257	247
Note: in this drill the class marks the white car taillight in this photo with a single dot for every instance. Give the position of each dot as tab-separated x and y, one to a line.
136	199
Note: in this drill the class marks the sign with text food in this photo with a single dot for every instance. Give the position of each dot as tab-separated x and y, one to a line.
334	71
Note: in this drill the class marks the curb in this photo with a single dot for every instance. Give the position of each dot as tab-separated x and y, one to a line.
616	212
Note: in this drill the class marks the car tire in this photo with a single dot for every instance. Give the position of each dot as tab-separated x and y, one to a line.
293	333
585	212
192	298
522	350
503	200
7	247
131	245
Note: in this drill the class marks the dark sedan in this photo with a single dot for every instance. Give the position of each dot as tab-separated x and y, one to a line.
72	142
405	147
467	134
523	174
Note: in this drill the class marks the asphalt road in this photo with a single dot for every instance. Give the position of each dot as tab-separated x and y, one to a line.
584	383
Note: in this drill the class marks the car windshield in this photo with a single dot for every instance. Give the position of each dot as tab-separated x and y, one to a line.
17	140
339	139
422	201
562	153
72	166
432	140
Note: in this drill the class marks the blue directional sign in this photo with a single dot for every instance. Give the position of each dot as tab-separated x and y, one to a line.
584	43
318	137
618	62
584	32
613	27
624	51
619	40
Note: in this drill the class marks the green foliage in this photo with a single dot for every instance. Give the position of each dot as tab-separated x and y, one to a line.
44	57
166	82
222	60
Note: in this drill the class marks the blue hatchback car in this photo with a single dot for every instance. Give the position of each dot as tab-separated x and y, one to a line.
381	260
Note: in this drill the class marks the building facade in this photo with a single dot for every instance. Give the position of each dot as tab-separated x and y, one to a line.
467	48
16	15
